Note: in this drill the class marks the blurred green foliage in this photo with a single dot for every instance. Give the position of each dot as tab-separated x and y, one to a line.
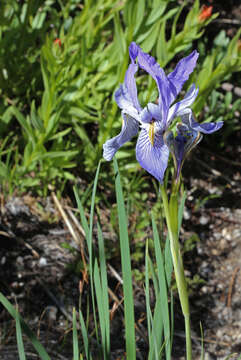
60	63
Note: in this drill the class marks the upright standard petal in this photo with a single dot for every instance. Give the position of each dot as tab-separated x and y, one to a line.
153	158
181	73
126	96
149	64
129	129
130	82
123	100
182	105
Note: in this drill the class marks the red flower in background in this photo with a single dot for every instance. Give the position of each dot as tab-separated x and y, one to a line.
58	42
206	12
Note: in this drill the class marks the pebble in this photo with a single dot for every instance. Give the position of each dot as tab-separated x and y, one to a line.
223	244
51	312
187	273
226	234
42	262
215	252
204	290
237	91
227	313
204	220
200	250
220	286
227	86
186	214
20	261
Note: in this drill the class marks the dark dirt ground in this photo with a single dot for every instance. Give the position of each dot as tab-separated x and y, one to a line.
44	278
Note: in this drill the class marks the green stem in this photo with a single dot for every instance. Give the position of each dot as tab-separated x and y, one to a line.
171	214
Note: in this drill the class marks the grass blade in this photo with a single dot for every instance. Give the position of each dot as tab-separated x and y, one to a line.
163	289
104	283
84	336
99	297
88	231
147	292
126	270
156	339
75	337
13	312
21	351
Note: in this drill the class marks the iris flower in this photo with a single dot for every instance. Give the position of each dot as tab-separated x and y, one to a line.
154	119
189	134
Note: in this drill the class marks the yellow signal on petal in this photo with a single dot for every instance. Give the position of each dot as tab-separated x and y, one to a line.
152	132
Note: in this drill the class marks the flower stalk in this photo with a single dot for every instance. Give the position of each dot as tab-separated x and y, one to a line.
171	215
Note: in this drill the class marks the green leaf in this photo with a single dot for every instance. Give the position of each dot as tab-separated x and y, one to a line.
120	41
126	270
75	337
21	351
139	13
149	38
23	122
163	289
156	13
84	336
161	50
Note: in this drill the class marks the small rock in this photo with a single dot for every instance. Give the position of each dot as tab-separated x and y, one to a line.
223	244
187	273
186	214
51	312
204	289
42	262
20	261
227	86
215	252
237	91
3	260
204	220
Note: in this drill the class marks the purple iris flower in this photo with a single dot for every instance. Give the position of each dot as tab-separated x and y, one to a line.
189	134
154	119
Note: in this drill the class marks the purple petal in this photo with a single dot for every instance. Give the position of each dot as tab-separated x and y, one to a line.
206	128
181	73
126	95
133	51
145	116
153	158
181	106
129	129
149	113
154	110
130	82
176	147
149	64
123	100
